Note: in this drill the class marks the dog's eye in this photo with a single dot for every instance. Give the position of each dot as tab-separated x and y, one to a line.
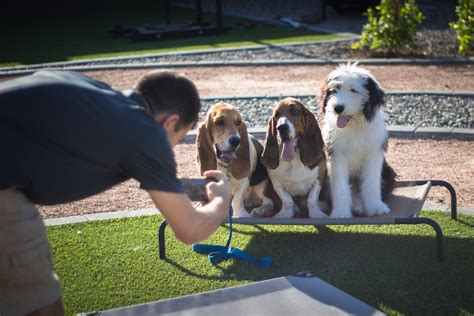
238	123
294	111
219	122
353	90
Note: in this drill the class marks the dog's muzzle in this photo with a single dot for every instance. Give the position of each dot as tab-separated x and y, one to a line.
284	131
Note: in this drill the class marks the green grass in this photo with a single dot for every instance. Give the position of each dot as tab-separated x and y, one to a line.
86	35
109	264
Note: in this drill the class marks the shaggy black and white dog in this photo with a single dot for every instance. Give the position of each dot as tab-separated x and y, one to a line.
355	135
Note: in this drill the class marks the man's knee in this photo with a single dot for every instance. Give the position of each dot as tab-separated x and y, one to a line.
54	309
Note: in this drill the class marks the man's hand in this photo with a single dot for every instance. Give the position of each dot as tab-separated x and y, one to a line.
193	224
219	188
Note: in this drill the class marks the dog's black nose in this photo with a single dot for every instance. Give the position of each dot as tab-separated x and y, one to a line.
283	128
339	109
234	141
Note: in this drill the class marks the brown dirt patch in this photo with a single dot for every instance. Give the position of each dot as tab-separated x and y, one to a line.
450	160
218	81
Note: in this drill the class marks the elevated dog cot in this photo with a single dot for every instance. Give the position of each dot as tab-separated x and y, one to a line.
309	295
405	204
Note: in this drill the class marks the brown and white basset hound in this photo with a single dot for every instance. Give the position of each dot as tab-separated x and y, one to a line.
223	143
294	157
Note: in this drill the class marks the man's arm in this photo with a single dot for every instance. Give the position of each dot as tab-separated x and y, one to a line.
192	224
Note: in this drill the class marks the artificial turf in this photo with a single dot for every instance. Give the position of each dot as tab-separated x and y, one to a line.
109	264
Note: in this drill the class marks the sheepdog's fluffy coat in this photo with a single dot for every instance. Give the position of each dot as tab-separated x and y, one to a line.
356	138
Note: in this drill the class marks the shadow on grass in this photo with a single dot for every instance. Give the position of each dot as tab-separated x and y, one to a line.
107	264
392	273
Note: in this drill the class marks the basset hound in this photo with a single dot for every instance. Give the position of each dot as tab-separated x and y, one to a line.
223	143
294	157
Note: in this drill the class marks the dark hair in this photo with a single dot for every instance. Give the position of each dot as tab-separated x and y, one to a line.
167	92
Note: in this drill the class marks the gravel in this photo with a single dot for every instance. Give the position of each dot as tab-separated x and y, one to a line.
418	110
402	109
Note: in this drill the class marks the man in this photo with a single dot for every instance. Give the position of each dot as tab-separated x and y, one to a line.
65	137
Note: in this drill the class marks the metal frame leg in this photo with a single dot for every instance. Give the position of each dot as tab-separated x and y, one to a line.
161	240
452	192
432	223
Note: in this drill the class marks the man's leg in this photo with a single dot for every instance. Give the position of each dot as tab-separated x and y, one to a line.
27	282
53	309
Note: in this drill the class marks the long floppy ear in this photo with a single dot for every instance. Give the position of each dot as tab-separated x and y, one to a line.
241	166
376	98
206	155
323	96
271	151
311	143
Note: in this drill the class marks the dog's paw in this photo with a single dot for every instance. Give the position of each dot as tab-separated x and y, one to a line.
284	213
315	212
357	206
376	208
341	213
241	213
261	211
382	208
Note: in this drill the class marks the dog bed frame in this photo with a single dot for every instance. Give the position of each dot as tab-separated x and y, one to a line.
405	204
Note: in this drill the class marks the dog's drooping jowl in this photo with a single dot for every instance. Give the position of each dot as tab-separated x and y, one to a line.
356	138
294	157
223	143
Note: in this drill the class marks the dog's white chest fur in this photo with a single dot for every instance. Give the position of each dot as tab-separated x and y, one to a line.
294	176
357	143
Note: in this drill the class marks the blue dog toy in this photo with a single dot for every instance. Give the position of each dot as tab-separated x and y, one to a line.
218	253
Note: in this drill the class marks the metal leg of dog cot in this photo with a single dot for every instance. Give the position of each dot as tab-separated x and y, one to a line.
432	223
450	188
452	192
161	239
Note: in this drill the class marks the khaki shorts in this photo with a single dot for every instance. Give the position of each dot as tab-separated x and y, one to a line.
27	281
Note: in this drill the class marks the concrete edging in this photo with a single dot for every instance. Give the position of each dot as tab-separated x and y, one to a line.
238	63
78	65
396	131
149	212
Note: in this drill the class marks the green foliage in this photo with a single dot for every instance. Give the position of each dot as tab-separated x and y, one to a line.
391	26
464	26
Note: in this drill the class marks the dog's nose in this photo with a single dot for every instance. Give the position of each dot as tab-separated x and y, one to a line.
283	128
234	141
339	109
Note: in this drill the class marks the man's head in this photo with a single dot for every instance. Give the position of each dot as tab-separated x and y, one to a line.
172	99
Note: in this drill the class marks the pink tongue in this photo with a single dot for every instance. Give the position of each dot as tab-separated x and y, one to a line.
341	121
288	150
229	155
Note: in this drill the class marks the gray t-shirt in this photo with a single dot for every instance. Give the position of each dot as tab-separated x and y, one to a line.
65	137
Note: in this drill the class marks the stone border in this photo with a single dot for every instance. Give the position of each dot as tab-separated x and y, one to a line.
396	131
78	65
6	72
148	212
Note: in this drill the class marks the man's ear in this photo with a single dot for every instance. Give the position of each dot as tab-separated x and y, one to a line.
168	122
